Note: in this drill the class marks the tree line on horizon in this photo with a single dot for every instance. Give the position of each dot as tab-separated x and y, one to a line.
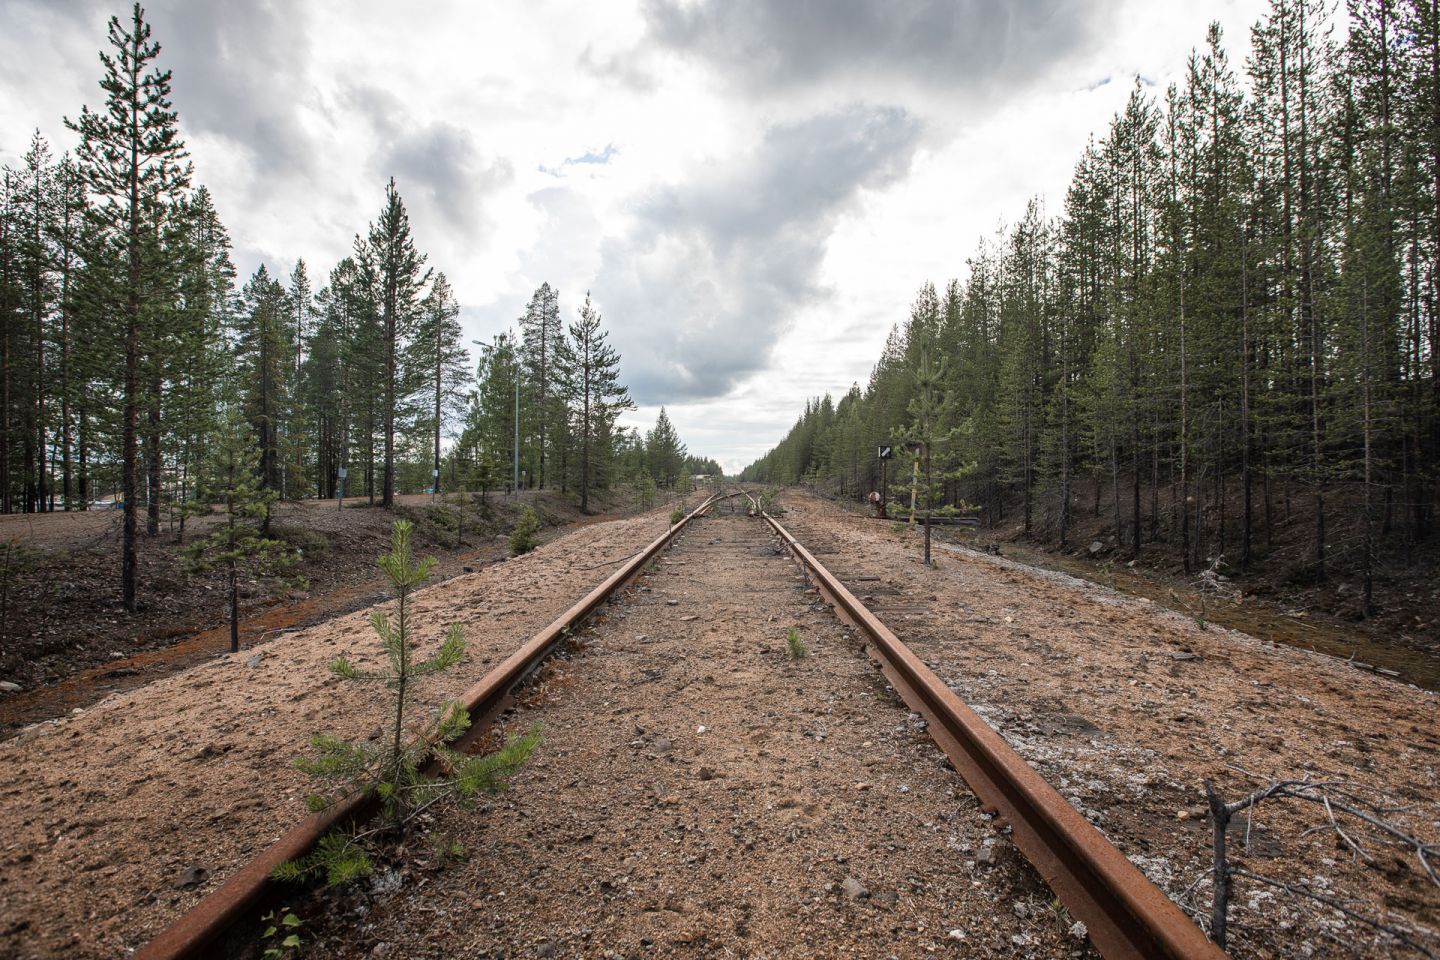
1228	333
128	356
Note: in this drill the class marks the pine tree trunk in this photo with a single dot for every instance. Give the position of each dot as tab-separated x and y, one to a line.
152	513
42	479
234	610
6	505
435	474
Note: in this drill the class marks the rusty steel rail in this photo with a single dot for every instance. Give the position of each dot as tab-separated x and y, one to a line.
198	931
1126	915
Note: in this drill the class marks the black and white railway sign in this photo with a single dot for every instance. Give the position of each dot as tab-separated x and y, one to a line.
886	452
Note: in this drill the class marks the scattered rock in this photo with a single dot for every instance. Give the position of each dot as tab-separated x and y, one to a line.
672	603
1096	546
706	773
689	618
661	745
545	950
1182	655
854	889
9	687
254	662
193	876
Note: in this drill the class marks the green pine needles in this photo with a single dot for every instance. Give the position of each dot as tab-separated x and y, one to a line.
392	768
795	648
526	535
237	544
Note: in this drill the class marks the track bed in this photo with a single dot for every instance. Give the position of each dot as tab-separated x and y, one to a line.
699	793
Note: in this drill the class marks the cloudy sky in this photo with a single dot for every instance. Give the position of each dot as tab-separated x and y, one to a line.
752	189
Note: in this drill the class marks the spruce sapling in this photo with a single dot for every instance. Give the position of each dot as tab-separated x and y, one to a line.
391	768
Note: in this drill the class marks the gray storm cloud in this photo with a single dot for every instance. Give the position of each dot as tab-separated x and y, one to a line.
714	269
440	166
965	46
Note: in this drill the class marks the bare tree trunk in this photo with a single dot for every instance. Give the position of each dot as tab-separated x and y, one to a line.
1220	903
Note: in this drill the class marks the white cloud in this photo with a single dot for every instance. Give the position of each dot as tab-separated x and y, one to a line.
752	190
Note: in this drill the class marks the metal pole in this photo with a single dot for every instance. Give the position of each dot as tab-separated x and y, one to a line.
884	488
515	451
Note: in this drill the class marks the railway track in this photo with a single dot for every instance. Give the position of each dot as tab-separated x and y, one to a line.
694	767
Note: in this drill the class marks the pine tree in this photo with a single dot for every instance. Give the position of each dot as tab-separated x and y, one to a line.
590	372
395	264
199	361
129	155
264	364
440	352
300	302
68	238
237	544
664	452
541	332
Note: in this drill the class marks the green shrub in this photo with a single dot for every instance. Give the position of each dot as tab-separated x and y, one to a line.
794	646
676	516
525	536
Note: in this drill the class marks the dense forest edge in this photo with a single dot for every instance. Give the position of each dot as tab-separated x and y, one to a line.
1220	357
136	376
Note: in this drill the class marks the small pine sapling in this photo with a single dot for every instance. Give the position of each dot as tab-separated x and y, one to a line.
236	545
676	516
524	537
647	492
794	646
393	769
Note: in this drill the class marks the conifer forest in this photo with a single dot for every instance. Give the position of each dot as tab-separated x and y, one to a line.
128	342
1222	342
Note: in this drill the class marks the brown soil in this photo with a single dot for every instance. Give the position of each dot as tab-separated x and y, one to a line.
1406	614
68	641
116	819
1126	708
700	794
633	832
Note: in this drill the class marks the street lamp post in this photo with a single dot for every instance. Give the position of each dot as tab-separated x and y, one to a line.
515	450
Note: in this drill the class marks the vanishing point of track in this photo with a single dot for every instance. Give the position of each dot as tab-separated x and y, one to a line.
1125	914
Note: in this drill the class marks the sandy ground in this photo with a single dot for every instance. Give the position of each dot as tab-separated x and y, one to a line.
701	794
61	616
1125	708
634	833
116	819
